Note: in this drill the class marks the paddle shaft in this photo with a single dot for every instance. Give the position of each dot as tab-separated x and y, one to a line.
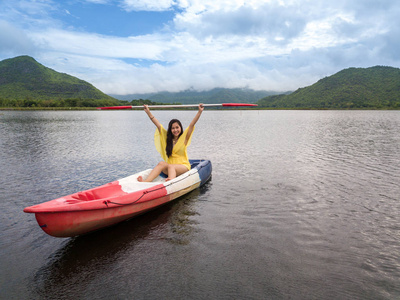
177	106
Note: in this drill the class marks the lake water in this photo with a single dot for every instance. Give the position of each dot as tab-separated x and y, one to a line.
301	205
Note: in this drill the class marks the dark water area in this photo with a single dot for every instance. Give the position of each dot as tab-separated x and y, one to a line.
301	205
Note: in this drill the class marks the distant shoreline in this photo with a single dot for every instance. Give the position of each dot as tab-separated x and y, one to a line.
215	109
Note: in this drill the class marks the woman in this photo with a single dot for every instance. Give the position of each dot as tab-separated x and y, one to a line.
172	145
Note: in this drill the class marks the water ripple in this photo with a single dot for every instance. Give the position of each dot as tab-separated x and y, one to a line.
302	205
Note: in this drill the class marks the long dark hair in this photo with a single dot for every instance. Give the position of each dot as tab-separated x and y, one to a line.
170	136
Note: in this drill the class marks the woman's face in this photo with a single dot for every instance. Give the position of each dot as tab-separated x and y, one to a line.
176	129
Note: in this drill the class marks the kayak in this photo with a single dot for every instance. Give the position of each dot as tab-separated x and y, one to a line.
114	202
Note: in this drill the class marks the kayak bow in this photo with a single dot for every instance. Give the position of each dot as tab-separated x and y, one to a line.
114	202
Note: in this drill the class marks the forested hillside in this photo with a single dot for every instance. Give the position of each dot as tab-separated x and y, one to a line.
25	82
354	88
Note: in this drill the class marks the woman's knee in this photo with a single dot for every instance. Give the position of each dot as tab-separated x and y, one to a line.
162	164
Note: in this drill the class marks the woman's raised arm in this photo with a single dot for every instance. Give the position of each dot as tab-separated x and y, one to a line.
152	118
194	121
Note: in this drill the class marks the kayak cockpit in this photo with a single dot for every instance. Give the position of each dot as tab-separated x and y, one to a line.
114	189
114	202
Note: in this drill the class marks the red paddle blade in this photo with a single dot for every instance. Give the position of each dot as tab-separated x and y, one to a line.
116	107
238	104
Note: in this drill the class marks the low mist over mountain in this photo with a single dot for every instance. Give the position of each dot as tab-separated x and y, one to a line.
217	95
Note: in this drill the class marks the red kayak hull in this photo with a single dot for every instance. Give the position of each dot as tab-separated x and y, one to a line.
68	224
109	204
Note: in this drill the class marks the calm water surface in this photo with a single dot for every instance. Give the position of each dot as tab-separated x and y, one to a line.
301	205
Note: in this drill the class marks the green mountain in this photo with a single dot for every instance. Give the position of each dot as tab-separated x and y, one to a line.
23	78
216	95
375	88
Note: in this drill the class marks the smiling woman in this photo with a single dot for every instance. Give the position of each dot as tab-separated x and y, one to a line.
172	145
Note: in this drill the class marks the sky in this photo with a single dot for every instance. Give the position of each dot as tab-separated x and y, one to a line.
147	46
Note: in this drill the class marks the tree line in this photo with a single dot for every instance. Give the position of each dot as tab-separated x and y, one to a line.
70	102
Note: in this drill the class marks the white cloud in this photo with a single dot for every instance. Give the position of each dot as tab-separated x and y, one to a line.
268	20
271	44
205	76
145	47
99	1
147	5
14	41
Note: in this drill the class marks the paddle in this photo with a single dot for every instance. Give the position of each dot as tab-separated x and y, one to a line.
177	106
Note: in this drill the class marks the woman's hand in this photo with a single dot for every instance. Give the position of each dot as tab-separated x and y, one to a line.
146	108
201	107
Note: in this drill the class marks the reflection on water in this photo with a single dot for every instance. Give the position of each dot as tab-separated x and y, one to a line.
302	205
92	255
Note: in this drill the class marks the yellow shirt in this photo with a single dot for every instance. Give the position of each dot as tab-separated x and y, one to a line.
179	151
